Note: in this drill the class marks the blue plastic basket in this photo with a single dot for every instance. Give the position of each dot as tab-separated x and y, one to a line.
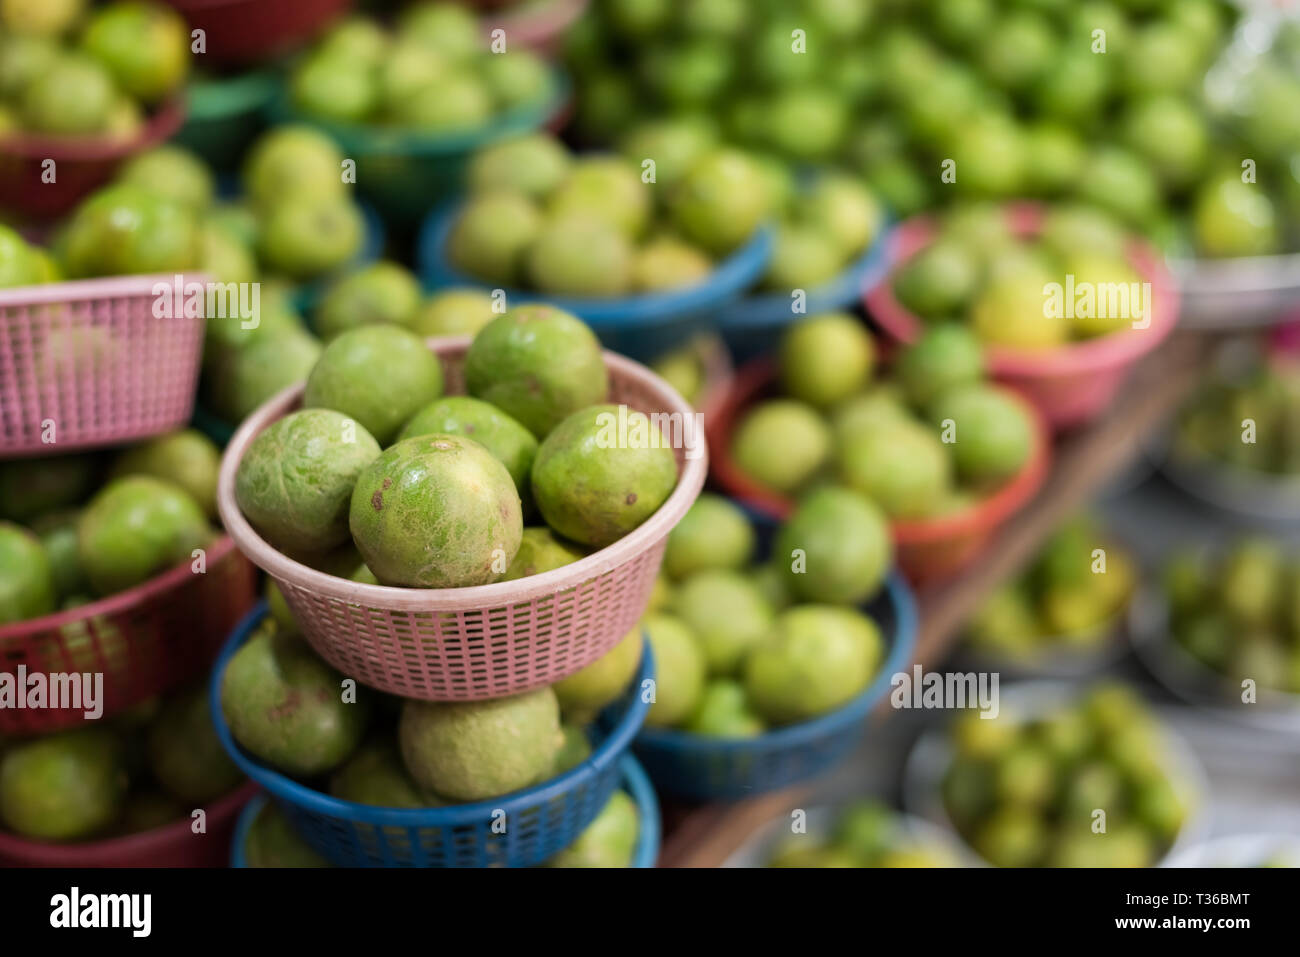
640	326
633	779
700	767
406	173
539	821
752	326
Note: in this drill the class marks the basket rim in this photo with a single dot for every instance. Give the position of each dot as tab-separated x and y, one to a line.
134	597
280	785
738	270
690	481
900	653
633	779
102	287
368	139
1102	353
858	277
111	850
746	388
161	125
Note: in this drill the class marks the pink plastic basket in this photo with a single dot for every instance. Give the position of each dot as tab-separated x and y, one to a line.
485	641
247	31
90	358
80	163
1070	384
172	845
145	641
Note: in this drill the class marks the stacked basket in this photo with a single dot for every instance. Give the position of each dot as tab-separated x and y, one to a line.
467	644
88	365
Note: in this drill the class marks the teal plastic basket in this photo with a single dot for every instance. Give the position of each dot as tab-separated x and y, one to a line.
224	114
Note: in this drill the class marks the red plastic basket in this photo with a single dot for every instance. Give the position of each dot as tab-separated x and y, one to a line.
145	641
91	358
247	31
1071	384
172	845
80	163
486	641
927	550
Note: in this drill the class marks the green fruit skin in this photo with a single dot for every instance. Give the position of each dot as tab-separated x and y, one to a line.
817	658
146	46
58	535
726	614
609	840
538	365
454	312
508	441
574	751
944	357
593	491
185	755
295	482
285	706
127	230
533	165
723	712
378	375
994	434
437	511
375	775
474	750
781	444
845	544
584	693
187	458
901	466
242	382
382	292
580	255
63	787
826	359
713	533
680	670
540	551
136	527
305	237
27	588
272	842
492	236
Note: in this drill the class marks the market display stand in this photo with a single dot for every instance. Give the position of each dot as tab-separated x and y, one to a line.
1086	460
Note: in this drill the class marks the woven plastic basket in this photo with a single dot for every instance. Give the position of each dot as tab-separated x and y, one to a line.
172	845
88	364
539	821
145	641
632	779
927	550
705	768
752	326
485	641
642	325
80	164
1070	384
246	31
